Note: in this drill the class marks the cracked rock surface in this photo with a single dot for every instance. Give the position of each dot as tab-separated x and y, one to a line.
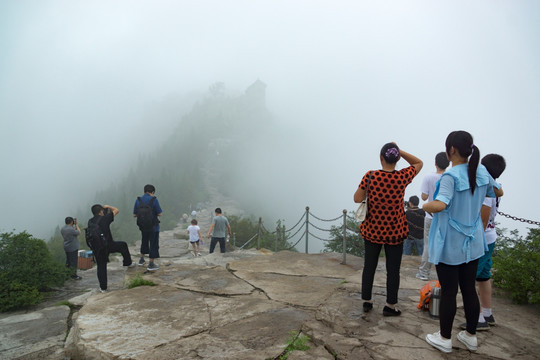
244	305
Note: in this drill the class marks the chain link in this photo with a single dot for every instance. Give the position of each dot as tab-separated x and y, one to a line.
519	219
296	243
302	218
318	218
318	228
316	237
293	235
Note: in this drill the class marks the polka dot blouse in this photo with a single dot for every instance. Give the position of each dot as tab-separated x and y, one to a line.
385	222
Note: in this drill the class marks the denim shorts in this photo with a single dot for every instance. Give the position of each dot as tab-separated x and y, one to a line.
484	264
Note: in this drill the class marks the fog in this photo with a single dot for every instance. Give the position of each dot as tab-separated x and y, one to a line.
88	86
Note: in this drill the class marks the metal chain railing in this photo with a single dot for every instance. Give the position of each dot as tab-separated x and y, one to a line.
327	220
284	235
532	222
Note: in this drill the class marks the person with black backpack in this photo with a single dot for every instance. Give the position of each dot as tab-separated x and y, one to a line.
100	241
147	210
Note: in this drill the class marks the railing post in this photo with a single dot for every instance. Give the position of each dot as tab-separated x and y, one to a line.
259	234
307	228
344	262
277	238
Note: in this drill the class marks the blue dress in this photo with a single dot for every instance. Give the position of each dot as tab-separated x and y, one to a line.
456	235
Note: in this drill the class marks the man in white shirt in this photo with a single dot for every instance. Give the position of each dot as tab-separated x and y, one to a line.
428	189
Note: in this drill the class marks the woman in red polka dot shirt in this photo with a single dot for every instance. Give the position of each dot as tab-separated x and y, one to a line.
385	223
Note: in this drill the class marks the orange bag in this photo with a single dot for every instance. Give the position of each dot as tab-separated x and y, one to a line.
425	294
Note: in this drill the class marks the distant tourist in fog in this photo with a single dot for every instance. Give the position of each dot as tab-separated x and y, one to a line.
103	217
194	232
415	220
428	189
70	233
219	228
456	238
385	223
147	210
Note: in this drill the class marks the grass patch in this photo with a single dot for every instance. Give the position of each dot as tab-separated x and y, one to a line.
65	302
297	341
138	280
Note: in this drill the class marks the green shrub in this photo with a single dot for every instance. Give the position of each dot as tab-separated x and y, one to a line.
355	242
516	266
14	295
138	280
26	268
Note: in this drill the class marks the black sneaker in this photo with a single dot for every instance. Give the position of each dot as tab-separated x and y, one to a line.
481	326
390	312
490	320
141	261
152	266
76	277
367	306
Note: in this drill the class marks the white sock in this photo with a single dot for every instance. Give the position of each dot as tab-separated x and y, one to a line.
481	318
486	312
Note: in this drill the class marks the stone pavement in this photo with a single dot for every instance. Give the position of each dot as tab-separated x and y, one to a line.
244	305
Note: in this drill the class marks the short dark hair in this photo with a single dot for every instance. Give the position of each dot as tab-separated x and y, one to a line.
441	160
149	188
193	221
495	164
218	211
96	209
390	153
69	220
414	200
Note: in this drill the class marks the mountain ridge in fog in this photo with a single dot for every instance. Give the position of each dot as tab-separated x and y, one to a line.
222	133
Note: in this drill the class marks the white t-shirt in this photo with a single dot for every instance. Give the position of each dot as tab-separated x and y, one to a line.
491	233
193	231
428	187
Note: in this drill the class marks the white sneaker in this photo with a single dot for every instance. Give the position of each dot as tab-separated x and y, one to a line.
421	277
438	342
471	342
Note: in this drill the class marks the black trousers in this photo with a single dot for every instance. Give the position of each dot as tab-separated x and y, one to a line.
72	259
393	266
103	256
450	276
213	243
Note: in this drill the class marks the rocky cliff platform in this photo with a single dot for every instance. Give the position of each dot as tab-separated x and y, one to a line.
245	304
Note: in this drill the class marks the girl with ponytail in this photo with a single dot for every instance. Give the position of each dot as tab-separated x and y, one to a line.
456	237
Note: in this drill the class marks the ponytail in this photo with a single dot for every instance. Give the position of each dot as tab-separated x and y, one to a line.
462	141
474	160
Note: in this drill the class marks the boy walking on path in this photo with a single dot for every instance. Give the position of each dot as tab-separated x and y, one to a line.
103	217
428	189
70	233
147	210
220	225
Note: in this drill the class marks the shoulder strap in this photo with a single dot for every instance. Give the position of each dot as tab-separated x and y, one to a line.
368	181
152	201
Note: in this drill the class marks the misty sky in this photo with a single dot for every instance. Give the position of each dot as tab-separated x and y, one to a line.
86	86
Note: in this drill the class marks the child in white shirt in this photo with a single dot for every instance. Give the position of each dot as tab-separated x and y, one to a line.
194	232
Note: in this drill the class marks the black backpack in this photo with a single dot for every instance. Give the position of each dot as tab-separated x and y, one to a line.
145	215
95	239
